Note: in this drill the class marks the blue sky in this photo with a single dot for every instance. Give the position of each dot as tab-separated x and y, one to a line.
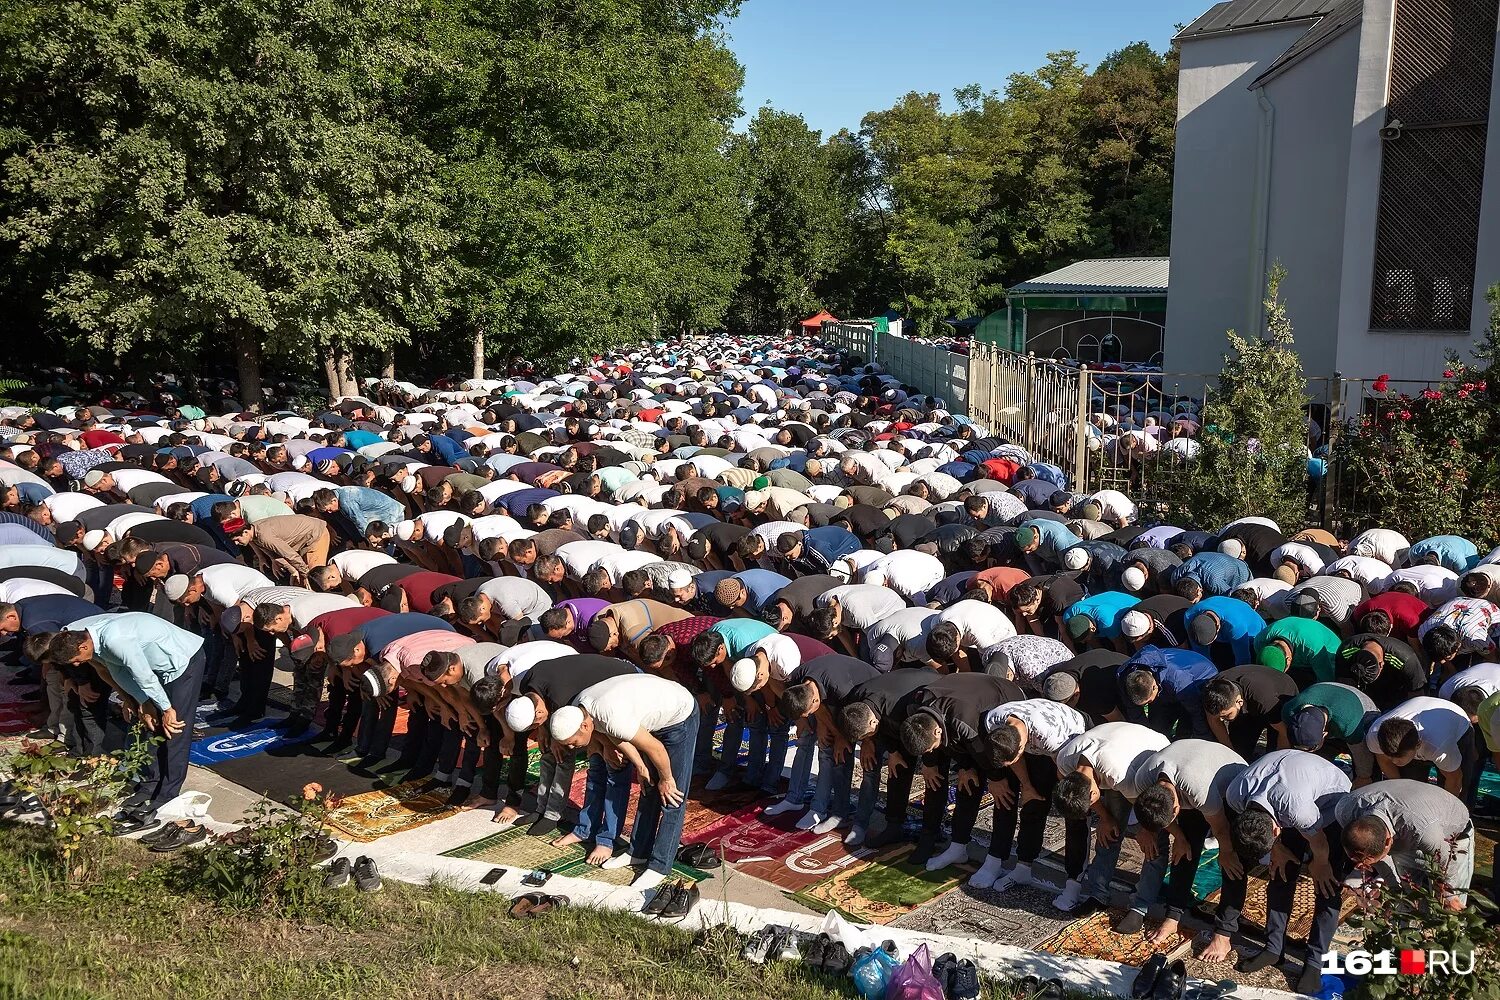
832	61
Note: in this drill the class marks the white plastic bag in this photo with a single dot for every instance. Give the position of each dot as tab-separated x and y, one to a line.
188	805
839	929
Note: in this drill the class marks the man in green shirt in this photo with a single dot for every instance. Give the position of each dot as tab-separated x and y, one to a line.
1331	718
1304	648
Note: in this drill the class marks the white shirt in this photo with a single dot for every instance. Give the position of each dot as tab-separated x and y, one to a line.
623	706
1380	543
1440	725
1049	724
19	588
1116	751
581	556
1435	584
524	656
435	522
1484	676
1299	789
120	526
906	571
980	624
67	506
861	604
1472	617
898	637
783	658
223	584
305	604
129	479
355	563
622	561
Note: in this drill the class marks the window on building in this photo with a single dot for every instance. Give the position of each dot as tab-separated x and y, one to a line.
1432	170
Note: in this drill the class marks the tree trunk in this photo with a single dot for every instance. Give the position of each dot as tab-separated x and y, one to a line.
479	353
390	363
348	385
331	373
247	365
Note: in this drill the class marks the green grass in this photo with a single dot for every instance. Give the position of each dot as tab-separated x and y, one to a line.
128	935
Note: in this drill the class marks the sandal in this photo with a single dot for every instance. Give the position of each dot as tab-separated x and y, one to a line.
521	906
547	905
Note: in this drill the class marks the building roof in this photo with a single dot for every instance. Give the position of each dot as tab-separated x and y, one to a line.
1343	17
1109	276
1232	15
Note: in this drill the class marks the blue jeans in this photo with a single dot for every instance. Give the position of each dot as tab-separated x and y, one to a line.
606	796
767	754
734	737
869	792
807	748
831	796
658	826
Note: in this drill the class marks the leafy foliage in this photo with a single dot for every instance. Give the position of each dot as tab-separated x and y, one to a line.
1253	458
1425	462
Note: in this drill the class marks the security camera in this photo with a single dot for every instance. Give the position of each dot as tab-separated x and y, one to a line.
1392	130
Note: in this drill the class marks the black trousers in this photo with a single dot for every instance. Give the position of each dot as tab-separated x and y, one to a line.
255	678
935	806
167	770
1179	892
513	768
87	724
342	714
1326	909
1032	819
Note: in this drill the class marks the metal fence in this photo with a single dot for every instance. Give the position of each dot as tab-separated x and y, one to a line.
1070	416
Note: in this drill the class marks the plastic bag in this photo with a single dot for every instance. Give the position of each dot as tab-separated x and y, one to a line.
839	929
872	972
914	979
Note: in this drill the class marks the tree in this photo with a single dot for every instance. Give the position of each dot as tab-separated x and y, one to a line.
225	175
1253	458
788	190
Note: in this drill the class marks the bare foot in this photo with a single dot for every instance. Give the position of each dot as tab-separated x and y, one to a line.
600	854
479	802
1163	934
567	840
1217	950
506	815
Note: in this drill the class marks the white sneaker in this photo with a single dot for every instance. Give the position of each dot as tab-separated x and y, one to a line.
623	860
855	837
719	781
829	825
809	821
988	872
784	806
952	855
1072	894
1210	843
1020	875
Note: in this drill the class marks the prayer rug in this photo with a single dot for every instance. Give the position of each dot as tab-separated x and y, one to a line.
280	772
517	849
228	744
1092	937
372	815
771	848
879	889
19	705
1023	918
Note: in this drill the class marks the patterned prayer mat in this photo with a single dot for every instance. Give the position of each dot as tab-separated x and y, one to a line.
19	705
1092	937
1303	900
1020	917
518	849
879	889
771	848
372	815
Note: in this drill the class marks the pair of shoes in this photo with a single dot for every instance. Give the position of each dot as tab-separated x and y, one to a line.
758	947
827	955
535	904
128	821
366	875
176	837
1160	980
699	856
322	848
673	900
958	978
1033	988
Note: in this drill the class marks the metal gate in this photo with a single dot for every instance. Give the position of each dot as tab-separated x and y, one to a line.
1036	403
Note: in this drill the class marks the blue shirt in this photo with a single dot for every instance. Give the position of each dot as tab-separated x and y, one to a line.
41	531
515	503
762	585
142	652
1054	536
1239	626
1181	675
362	505
62	560
445	447
740	634
203	507
1453	552
51	612
361	439
827	545
1105	610
1217	573
379	633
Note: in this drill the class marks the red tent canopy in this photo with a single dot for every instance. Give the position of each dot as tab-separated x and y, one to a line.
817	321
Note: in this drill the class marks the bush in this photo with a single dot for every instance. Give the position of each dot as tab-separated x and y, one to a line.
1426	464
1253	459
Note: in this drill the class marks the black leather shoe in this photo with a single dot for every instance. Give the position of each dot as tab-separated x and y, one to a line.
659	900
682	902
1171	984
1145	979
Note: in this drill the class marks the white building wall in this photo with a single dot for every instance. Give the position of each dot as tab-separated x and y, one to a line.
1213	193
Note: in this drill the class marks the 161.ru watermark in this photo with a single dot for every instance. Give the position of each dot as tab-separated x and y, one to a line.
1406	962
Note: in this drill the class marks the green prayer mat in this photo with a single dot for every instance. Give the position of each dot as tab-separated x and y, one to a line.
901	884
518	849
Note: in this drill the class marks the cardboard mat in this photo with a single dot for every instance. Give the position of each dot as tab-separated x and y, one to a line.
879	889
372	815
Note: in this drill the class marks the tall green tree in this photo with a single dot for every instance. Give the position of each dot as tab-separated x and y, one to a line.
221	176
787	186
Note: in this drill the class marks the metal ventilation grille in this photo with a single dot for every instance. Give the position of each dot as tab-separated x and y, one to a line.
1432	175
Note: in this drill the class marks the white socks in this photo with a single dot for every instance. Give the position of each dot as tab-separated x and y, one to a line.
829	825
951	856
809	821
648	880
1070	897
988	872
718	781
623	861
784	806
855	837
1019	875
